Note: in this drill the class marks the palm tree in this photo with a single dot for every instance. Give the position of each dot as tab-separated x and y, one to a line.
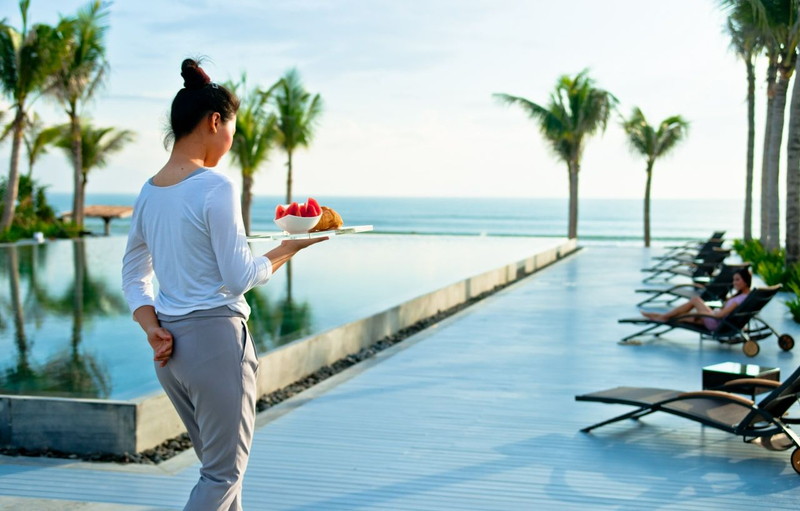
28	59
97	144
255	137
37	140
652	144
576	110
298	114
793	179
746	43
778	21
81	74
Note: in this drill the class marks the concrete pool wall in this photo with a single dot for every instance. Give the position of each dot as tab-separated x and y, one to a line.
111	426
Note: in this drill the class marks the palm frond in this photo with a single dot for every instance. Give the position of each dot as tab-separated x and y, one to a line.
297	111
576	110
255	129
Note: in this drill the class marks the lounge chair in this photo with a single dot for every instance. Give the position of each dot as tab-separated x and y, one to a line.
715	290
742	325
764	424
689	255
695	270
694	244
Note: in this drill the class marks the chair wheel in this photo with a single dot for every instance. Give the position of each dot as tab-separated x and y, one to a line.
796	460
751	348
786	342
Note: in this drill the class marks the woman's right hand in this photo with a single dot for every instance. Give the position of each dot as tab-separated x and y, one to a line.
160	340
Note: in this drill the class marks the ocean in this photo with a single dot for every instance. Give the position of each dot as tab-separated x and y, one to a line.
616	221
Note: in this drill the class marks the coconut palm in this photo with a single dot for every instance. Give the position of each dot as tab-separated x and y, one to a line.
577	109
36	137
746	43
81	74
255	137
37	140
97	144
28	59
298	114
778	20
652	143
793	179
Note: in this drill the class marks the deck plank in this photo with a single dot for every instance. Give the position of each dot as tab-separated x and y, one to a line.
480	415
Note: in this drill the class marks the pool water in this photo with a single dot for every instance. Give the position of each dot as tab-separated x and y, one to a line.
66	330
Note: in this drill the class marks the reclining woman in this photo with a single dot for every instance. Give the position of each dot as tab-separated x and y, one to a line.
742	280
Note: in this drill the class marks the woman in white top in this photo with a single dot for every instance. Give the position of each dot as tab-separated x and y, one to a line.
187	229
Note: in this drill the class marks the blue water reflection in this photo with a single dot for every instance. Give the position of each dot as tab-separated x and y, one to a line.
65	329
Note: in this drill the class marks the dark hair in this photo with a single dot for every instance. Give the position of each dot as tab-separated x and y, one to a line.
198	98
747	277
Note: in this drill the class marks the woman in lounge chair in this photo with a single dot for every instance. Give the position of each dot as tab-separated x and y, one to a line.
742	280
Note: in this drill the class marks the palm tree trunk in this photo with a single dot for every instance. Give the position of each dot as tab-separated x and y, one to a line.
772	71
247	199
16	302
793	179
79	262
573	199
12	187
289	179
289	281
775	139
77	164
751	140
647	204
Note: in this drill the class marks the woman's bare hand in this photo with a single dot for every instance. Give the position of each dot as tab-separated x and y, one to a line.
160	340
297	245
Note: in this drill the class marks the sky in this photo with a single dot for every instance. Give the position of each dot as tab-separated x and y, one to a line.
407	88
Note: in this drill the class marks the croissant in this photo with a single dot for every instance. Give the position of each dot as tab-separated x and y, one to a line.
330	220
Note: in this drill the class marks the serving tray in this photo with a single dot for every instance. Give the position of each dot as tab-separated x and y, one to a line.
280	236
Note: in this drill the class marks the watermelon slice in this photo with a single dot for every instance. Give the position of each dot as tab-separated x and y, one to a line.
280	212
293	209
314	204
303	210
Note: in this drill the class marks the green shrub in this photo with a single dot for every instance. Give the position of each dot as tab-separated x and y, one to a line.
751	251
771	272
794	305
33	213
793	276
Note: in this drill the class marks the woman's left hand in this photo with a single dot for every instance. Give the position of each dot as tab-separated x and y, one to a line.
160	340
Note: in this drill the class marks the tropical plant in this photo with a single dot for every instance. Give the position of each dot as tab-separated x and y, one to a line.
298	113
794	304
37	140
33	213
652	143
746	42
78	79
97	145
256	134
577	109
28	59
778	21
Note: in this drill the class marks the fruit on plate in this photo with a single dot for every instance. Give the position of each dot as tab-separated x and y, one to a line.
330	220
293	209
311	202
309	209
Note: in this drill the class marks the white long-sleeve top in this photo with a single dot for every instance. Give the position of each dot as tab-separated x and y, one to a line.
191	236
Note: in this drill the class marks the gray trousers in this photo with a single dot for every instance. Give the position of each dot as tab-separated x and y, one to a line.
211	381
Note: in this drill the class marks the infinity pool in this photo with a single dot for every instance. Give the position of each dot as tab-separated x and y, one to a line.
65	329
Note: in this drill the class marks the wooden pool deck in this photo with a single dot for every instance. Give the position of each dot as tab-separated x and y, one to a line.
478	413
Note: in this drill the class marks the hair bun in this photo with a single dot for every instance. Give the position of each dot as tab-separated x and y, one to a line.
193	75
